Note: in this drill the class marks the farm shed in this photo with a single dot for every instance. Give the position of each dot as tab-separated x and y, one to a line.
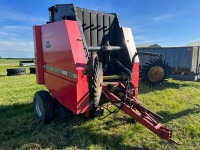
184	61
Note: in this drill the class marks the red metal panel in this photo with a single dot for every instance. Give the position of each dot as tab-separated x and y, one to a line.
76	43
64	52
56	46
82	93
64	90
38	54
135	77
74	96
80	62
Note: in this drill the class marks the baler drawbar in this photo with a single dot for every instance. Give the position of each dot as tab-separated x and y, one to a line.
86	59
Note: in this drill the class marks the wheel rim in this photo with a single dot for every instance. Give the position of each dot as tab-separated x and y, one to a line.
156	74
100	82
38	108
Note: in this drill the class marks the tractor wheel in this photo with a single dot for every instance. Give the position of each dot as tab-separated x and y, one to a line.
44	106
16	71
97	83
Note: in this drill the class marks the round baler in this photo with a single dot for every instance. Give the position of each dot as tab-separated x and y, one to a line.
85	59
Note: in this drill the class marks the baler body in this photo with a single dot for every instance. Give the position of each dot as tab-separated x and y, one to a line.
62	48
81	55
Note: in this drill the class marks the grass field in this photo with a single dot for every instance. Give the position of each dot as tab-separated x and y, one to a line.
178	102
8	62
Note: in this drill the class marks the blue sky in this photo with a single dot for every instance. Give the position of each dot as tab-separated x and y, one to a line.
166	22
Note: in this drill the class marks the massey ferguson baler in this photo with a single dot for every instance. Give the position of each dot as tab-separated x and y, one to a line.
86	59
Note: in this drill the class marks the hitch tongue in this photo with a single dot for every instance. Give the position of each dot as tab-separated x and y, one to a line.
175	142
132	107
146	109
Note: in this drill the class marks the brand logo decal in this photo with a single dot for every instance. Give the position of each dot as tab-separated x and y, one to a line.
48	45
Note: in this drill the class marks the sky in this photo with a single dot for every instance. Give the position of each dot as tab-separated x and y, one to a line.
165	22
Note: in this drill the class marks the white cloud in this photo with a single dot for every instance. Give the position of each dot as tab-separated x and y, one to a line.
162	17
16	45
16	32
195	40
141	39
2	33
16	38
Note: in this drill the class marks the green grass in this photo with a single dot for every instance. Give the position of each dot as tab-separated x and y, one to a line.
178	102
8	62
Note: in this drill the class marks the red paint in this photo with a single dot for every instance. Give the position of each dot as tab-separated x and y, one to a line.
63	49
135	77
38	54
138	113
59	45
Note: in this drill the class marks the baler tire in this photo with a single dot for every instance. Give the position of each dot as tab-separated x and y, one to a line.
16	71
97	83
44	107
32	70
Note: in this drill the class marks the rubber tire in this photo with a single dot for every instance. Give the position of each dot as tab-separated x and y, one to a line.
32	70
16	71
97	72
44	107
